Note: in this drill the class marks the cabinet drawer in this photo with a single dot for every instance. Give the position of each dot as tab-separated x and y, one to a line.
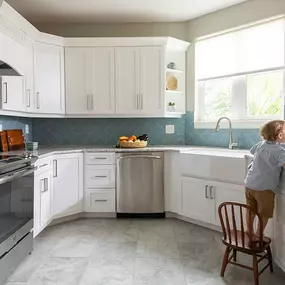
99	201
43	165
100	158
100	176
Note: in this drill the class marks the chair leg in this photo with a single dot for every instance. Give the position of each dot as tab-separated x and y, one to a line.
255	270
225	261
235	255
270	259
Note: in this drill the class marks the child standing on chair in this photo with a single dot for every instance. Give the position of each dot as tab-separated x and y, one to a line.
263	177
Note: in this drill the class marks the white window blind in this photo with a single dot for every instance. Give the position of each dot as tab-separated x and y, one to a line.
254	48
240	74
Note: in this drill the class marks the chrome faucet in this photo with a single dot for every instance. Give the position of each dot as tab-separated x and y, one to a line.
231	143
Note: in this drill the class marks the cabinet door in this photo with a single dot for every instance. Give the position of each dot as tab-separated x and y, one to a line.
49	76
67	184
77	95
29	79
151	100
42	201
195	201
225	192
12	93
279	231
102	81
127	78
45	186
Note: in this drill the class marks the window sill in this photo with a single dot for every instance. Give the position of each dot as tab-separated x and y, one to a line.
238	124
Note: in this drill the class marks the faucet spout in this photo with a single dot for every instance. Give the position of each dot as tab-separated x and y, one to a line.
217	128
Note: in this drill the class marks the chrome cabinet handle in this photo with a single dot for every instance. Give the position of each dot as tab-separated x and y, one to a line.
45	181
5	99
88	102
98	176
141	101
43	165
140	156
28	98
211	192
206	191
55	168
38	100
137	101
94	158
92	101
101	200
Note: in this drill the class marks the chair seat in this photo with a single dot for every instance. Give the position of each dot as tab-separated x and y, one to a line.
247	246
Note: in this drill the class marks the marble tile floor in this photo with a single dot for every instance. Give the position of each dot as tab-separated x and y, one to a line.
131	252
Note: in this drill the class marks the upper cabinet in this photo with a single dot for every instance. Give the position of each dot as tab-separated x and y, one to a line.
49	78
89	77
139	81
127	81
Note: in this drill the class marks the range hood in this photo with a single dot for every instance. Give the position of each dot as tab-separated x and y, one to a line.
7	70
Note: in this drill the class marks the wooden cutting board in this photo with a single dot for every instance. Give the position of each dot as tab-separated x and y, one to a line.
15	139
3	141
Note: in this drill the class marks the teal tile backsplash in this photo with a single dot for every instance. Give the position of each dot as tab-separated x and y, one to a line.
207	137
106	132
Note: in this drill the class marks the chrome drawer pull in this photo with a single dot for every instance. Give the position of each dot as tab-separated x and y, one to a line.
98	158
103	200
43	165
98	176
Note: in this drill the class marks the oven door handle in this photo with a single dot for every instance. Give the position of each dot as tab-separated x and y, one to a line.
18	174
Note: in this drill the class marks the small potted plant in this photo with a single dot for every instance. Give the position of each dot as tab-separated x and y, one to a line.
171	106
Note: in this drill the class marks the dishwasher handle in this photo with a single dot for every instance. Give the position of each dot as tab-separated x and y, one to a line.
140	156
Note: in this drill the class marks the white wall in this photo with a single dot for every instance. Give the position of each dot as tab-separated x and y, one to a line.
238	15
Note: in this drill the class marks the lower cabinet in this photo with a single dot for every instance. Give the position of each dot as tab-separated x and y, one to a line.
279	231
42	201
200	199
67	194
99	201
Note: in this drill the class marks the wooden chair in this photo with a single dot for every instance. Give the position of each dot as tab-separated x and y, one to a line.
237	239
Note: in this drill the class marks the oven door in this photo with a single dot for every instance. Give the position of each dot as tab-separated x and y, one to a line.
16	206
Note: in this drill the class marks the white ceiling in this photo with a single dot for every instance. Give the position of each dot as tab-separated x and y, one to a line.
116	11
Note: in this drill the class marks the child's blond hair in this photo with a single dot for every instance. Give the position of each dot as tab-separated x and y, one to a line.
272	129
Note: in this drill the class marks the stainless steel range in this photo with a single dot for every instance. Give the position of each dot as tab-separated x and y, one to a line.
16	211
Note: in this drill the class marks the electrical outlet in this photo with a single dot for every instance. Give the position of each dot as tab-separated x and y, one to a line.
1	129
169	129
27	129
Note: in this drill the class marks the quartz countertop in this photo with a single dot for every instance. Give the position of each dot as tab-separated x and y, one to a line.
49	150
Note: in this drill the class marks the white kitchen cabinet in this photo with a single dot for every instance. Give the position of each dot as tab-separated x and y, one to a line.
29	79
42	201
195	201
151	80
139	80
100	176
12	93
225	192
201	199
100	201
127	80
279	231
49	78
67	187
89	80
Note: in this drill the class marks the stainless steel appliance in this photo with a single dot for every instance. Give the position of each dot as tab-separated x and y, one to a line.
140	184
16	211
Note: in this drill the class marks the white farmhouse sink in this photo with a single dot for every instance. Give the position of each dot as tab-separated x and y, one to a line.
217	152
215	164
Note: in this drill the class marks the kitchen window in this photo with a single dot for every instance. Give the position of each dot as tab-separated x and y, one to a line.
240	74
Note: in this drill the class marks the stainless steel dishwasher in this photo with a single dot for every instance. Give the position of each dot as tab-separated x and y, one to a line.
140	184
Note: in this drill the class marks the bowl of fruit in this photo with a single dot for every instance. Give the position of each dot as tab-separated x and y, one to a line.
133	141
